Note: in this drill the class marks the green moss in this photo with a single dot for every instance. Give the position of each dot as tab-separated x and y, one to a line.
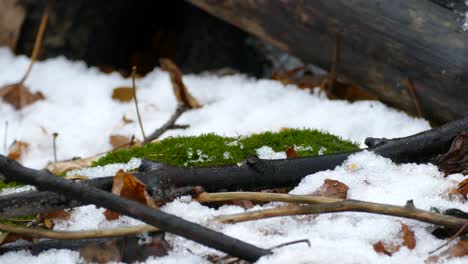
211	149
9	185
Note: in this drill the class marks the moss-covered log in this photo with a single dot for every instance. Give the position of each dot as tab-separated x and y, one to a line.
252	174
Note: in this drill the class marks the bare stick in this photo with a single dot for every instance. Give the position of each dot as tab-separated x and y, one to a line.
325	205
54	142
335	60
37	44
181	108
63	235
410	85
136	103
44	180
5	138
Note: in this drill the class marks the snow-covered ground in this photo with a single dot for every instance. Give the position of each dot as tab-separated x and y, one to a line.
79	107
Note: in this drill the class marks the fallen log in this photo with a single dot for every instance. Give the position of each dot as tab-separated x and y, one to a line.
383	43
252	174
44	180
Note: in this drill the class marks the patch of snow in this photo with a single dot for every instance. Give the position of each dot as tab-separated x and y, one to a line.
303	148
107	170
266	152
227	155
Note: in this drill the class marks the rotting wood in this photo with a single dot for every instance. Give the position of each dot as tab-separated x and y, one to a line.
383	43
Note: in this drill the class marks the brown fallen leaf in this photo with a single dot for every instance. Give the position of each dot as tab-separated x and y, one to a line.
456	159
291	153
58	215
332	189
389	248
463	187
180	90
408	237
17	94
460	249
123	94
64	166
380	248
18	149
120	141
128	186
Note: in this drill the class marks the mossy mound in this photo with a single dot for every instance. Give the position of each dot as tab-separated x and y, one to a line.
211	149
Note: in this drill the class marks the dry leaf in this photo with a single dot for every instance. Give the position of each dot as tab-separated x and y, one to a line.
18	149
58	215
408	237
291	153
122	94
128	186
64	166
19	95
180	91
463	187
119	141
48	223
332	189
456	159
460	249
380	248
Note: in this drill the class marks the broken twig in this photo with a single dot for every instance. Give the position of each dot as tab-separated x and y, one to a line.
320	205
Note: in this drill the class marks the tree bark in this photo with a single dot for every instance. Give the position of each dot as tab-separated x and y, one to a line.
383	43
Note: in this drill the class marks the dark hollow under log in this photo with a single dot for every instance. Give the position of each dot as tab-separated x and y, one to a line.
383	43
253	174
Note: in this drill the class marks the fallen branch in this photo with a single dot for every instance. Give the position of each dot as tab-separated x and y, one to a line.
67	235
253	174
321	205
44	180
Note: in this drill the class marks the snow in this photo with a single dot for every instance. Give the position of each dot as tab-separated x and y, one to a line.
79	107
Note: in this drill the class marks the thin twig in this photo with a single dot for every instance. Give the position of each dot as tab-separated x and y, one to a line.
307	241
319	205
450	240
412	90
37	44
54	143
66	235
136	103
181	108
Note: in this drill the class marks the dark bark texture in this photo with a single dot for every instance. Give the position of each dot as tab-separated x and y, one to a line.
383	43
252	174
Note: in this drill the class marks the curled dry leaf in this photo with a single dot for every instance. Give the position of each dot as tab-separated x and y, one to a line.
128	186
18	149
291	153
64	166
180	90
332	189
458	250
463	187
456	159
408	237
58	215
389	248
122	94
120	141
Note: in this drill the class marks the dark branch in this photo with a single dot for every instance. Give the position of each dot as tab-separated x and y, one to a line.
46	181
169	124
